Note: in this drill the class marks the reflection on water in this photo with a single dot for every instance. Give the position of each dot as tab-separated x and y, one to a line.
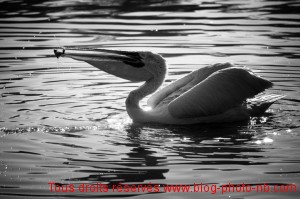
65	121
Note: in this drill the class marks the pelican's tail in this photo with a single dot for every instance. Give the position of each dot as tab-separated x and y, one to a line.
260	103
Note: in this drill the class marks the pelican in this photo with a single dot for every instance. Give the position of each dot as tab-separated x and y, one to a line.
217	93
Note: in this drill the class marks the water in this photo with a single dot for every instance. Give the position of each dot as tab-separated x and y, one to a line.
64	121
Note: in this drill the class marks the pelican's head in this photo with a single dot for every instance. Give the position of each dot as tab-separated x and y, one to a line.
131	65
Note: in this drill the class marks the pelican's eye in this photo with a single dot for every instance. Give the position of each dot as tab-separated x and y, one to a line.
142	55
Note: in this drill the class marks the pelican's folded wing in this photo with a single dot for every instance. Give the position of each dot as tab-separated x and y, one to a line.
219	92
189	80
160	95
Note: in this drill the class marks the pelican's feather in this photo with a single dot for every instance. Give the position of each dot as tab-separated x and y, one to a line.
176	88
224	89
261	102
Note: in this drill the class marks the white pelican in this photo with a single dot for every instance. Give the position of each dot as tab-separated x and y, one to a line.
216	93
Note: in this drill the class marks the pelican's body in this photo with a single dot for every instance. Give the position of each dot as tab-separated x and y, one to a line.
216	93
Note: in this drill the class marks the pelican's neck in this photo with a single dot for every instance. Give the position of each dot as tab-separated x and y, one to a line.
132	102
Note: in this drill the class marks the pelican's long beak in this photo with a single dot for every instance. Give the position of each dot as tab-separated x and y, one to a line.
125	64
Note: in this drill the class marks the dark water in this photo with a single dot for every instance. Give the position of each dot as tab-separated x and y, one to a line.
65	121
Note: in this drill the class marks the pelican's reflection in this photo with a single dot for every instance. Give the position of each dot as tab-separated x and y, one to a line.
198	144
155	149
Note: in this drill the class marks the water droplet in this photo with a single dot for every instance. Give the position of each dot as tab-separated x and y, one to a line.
49	19
267	140
263	119
258	142
23	47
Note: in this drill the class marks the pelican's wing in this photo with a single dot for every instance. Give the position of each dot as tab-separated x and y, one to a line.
176	88
160	95
219	92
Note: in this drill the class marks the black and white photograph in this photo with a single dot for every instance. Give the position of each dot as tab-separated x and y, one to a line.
146	99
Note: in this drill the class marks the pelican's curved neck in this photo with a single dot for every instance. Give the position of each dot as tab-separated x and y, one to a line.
133	108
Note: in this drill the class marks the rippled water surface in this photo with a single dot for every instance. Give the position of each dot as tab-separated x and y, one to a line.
64	121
